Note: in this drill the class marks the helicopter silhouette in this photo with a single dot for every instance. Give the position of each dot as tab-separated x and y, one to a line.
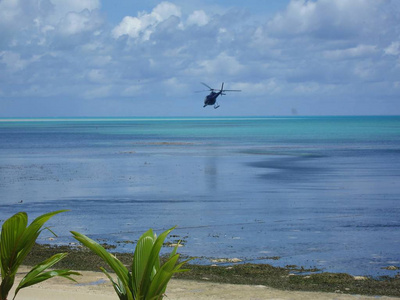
211	99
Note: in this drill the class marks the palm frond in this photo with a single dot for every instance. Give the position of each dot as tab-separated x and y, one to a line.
37	273
29	236
160	281
120	270
141	258
147	279
16	241
118	286
152	261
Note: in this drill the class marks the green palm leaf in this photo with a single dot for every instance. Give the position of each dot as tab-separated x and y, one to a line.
118	286
152	262
16	241
29	236
37	275
147	279
141	259
120	270
11	233
160	281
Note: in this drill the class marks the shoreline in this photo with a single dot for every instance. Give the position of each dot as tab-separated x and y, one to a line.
95	286
254	275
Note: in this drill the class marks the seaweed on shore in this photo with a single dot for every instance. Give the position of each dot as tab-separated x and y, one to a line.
253	274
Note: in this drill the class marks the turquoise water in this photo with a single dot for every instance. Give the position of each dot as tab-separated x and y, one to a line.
315	191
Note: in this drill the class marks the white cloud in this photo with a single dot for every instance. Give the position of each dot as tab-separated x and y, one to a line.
222	64
75	23
75	5
9	10
328	19
63	8
393	49
97	76
130	26
354	52
175	87
198	17
298	17
144	24
12	61
132	90
164	10
97	92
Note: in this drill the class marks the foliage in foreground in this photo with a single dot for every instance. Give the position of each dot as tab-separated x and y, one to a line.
16	241
147	279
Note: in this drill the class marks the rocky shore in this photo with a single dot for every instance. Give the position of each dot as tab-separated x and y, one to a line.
289	278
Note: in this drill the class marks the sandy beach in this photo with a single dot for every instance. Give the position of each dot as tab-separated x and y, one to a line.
94	285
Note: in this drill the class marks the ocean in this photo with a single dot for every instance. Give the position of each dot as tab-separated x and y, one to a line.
318	192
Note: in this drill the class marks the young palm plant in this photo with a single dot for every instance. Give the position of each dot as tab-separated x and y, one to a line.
147	279
16	241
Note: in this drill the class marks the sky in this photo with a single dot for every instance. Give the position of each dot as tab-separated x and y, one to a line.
91	58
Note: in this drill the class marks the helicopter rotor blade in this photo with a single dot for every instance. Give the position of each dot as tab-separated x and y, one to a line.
210	88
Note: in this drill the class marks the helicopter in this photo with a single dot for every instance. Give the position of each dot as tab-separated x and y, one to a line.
211	99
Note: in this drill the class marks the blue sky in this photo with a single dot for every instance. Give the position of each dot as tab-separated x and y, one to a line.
147	58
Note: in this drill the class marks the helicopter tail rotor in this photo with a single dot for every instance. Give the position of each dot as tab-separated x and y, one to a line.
222	90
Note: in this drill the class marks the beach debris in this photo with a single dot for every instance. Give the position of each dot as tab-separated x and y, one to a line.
226	260
391	268
260	286
360	278
174	245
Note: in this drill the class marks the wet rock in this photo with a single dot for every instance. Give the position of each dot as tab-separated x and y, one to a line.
226	260
391	268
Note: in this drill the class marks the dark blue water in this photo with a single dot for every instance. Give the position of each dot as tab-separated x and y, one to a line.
317	192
